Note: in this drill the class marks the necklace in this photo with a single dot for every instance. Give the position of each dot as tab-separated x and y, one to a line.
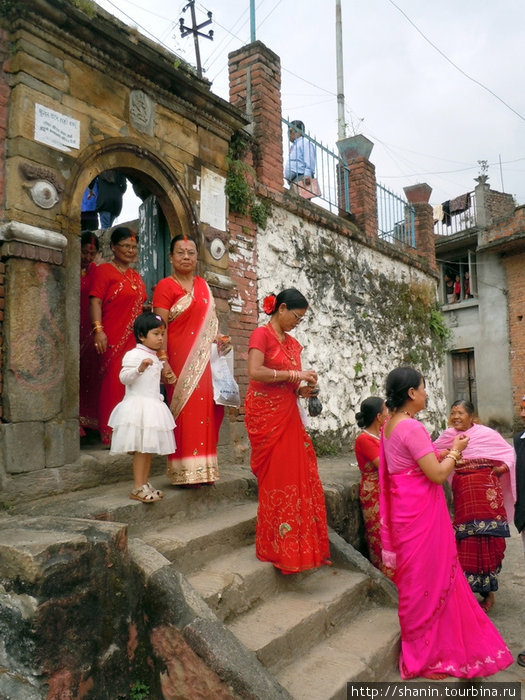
184	284
281	343
125	273
371	434
406	413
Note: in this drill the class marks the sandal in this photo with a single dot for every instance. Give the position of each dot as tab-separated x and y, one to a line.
157	492
487	603
143	494
521	659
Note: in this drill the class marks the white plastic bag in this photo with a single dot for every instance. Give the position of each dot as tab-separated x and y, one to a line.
225	388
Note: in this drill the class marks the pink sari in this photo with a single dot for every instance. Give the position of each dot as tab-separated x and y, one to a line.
443	628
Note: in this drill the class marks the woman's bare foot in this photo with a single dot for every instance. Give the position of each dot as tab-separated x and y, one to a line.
488	602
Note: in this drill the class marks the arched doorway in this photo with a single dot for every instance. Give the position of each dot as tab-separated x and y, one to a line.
164	209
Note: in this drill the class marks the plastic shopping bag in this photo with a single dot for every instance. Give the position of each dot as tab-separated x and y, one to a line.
225	388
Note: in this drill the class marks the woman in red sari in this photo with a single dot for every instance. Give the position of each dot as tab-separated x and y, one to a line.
483	488
370	418
88	375
185	304
444	632
116	299
291	528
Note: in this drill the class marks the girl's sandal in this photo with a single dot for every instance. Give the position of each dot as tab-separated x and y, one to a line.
157	492
144	495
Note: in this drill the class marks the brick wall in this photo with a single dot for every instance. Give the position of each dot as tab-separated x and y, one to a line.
499	205
515	267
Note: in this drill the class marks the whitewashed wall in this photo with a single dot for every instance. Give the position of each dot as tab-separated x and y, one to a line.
349	334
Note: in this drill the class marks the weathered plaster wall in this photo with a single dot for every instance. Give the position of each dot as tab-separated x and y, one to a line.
365	318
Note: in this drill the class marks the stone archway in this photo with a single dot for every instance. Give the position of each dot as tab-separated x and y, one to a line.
139	163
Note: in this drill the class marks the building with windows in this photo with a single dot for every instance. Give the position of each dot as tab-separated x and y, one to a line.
478	238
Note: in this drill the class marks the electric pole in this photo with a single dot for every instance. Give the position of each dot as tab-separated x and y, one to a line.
341	124
194	29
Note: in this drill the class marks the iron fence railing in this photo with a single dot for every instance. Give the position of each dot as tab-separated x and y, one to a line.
331	174
448	220
395	218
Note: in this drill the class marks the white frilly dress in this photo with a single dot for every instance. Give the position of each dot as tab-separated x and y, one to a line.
141	422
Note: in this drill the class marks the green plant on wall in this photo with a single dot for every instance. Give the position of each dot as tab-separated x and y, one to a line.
412	306
87	6
240	183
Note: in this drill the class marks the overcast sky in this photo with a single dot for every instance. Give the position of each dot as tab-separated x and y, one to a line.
418	74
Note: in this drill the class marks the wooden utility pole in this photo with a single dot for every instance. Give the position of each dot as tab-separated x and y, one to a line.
194	29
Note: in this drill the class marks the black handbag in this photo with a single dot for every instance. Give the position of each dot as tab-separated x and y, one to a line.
314	406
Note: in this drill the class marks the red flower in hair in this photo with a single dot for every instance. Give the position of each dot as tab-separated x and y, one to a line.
269	304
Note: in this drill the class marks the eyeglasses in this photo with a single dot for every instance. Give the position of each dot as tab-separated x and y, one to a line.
127	246
300	319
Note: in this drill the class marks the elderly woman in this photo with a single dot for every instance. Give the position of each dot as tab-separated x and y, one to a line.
443	630
185	304
483	485
291	530
116	298
370	418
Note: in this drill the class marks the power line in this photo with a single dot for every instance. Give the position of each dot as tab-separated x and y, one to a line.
477	82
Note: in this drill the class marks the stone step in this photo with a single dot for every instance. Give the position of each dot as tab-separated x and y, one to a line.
234	583
367	649
190	543
112	502
290	622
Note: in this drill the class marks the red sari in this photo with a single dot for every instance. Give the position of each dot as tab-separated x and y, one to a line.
192	327
291	528
89	364
366	451
122	298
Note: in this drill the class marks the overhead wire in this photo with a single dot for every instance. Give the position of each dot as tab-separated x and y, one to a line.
441	53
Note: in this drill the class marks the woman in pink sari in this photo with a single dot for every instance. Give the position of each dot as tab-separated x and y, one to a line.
185	304
444	632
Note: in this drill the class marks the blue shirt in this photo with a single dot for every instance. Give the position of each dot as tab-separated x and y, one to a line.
301	161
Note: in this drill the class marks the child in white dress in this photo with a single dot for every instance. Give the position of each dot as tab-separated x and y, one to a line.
141	422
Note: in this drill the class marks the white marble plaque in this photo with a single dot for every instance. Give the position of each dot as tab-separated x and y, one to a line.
213	199
55	129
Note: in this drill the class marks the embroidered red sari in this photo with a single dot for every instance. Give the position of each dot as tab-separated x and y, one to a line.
122	299
366	451
291	528
192	327
89	365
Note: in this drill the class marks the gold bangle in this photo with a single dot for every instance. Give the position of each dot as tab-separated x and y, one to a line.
456	454
275	375
97	327
162	355
452	456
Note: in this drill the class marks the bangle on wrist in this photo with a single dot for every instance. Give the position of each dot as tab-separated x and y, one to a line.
162	355
275	375
97	327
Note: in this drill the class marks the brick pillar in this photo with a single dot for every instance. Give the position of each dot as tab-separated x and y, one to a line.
355	152
418	196
363	195
255	87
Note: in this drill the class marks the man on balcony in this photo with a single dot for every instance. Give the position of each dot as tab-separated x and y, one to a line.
302	158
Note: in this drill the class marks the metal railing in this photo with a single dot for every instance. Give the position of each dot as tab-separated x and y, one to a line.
447	223
331	174
395	218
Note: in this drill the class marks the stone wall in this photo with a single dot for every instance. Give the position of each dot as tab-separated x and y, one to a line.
369	312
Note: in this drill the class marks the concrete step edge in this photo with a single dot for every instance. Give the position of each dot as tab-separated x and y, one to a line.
364	649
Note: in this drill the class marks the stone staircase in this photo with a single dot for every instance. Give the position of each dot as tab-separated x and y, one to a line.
264	634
